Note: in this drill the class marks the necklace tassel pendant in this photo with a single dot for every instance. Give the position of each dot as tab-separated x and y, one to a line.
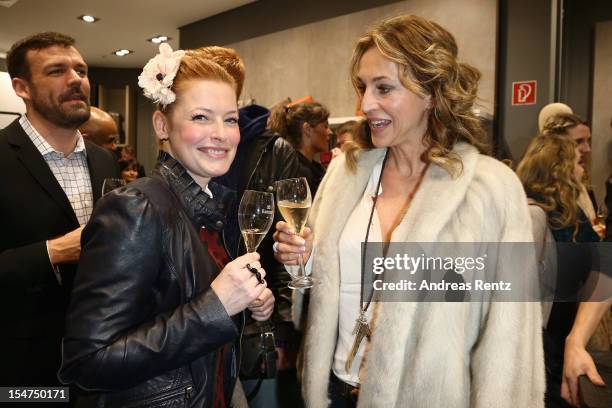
361	331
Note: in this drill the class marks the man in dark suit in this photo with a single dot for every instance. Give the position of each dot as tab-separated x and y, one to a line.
50	179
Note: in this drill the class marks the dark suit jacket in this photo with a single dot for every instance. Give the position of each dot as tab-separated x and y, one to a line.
33	209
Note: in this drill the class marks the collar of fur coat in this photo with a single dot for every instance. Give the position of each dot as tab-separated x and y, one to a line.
435	201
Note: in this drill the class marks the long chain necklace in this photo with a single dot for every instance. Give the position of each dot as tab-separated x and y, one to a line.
362	327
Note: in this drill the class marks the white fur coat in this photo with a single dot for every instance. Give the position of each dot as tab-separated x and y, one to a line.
430	355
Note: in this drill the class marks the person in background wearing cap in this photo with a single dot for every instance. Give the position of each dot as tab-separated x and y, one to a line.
550	111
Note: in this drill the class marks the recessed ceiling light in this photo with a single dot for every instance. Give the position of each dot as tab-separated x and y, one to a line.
88	19
7	3
122	52
159	39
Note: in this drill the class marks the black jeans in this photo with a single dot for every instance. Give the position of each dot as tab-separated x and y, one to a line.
341	394
553	359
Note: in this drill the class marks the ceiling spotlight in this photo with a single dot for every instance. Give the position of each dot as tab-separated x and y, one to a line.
88	19
122	52
159	39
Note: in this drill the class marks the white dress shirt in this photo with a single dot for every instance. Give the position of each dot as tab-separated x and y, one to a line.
351	239
71	172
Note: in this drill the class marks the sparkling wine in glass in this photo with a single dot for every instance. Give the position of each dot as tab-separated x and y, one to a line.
110	184
599	224
255	217
294	200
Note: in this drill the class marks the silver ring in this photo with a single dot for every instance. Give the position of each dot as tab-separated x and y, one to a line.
275	247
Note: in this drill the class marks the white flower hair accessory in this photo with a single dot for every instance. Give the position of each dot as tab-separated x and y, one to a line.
157	76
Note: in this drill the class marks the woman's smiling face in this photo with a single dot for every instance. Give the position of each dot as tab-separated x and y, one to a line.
202	128
396	115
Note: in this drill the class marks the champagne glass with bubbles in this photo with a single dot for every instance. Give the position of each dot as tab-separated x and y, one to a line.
255	217
294	200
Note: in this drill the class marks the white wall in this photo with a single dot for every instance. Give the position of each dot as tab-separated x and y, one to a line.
313	59
9	102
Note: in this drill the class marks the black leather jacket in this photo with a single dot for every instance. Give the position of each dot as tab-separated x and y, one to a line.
144	327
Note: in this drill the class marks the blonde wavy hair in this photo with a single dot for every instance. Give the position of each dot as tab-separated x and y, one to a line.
547	173
561	125
426	55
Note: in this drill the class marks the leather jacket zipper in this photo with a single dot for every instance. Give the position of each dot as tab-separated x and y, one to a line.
188	392
239	353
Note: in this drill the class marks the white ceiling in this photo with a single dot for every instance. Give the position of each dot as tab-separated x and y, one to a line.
122	24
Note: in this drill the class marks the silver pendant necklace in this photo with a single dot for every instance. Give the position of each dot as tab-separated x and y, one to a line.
362	328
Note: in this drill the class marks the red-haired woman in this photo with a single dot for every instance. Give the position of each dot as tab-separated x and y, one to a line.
156	310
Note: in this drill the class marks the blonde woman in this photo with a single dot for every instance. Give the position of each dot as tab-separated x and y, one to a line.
551	174
550	171
421	177
577	129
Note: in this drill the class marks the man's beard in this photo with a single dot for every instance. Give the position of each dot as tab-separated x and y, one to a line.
55	113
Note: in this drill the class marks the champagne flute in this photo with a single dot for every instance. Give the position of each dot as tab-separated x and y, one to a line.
110	184
255	217
600	220
294	200
602	212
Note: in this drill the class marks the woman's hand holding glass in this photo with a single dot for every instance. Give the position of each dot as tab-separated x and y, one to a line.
294	199
289	245
237	288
